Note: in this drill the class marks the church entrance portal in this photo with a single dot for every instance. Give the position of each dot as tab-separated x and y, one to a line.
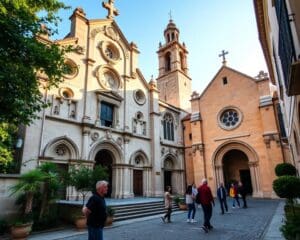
236	168
167	179
138	182
104	158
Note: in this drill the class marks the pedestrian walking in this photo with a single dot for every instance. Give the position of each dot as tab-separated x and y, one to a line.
242	191
95	212
190	201
207	201
233	192
168	205
221	193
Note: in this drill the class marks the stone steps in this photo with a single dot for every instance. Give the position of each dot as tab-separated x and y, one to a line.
139	210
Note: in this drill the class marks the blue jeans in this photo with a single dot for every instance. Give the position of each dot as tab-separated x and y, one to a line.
191	211
95	233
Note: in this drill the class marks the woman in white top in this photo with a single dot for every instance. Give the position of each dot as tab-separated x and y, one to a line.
190	196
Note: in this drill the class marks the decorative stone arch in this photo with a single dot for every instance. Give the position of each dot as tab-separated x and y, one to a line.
144	159
62	148
173	175
110	146
113	159
253	162
140	174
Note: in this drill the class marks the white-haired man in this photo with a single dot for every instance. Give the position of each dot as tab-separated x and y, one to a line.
95	211
206	200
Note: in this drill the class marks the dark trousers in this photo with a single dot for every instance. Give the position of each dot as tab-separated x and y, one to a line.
168	214
207	211
244	201
95	233
235	199
223	204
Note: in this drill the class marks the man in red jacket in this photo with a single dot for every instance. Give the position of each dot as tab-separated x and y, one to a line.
206	200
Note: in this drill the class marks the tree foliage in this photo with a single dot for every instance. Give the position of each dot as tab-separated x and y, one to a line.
287	187
284	169
22	55
7	138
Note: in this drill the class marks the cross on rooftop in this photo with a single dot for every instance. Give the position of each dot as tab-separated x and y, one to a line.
223	56
112	11
170	15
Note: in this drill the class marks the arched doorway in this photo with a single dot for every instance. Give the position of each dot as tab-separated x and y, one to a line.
168	167
104	158
236	168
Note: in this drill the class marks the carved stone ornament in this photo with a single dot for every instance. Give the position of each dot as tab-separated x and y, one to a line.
162	151
111	33
108	134
119	141
95	31
60	150
95	136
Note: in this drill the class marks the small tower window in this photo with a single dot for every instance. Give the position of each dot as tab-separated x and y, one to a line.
168	35
225	81
173	36
168	62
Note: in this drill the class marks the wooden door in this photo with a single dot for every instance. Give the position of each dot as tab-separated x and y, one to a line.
138	182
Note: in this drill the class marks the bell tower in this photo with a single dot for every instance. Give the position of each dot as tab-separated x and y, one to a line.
173	82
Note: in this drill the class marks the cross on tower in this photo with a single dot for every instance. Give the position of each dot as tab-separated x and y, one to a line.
223	56
112	11
170	15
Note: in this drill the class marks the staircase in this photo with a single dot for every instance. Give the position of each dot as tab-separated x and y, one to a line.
138	210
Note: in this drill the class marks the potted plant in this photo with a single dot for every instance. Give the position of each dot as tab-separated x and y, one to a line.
110	215
28	184
80	178
180	202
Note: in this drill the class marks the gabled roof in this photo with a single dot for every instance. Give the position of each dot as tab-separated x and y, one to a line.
221	69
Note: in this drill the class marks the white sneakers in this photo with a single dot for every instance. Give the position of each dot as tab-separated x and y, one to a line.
191	221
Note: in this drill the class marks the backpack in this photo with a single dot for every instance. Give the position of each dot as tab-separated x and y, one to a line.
197	200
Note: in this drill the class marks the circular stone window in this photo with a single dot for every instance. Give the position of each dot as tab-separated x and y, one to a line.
108	78
139	97
229	118
109	51
66	93
72	69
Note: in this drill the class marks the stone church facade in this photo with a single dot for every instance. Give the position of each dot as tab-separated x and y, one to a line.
150	134
106	113
232	133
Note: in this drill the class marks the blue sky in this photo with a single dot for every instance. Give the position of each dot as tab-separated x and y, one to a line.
206	26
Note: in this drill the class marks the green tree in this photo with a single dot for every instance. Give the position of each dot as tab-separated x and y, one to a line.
23	55
7	138
29	183
50	185
285	169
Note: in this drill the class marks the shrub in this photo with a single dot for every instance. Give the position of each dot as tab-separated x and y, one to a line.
3	226
291	228
110	211
284	169
287	187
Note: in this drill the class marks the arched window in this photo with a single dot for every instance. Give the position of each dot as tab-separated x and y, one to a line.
168	62
182	64
168	126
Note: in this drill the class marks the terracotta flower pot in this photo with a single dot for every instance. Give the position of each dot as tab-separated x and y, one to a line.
109	220
20	232
182	206
80	222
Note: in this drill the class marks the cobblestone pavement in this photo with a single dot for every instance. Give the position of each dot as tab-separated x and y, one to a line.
239	223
